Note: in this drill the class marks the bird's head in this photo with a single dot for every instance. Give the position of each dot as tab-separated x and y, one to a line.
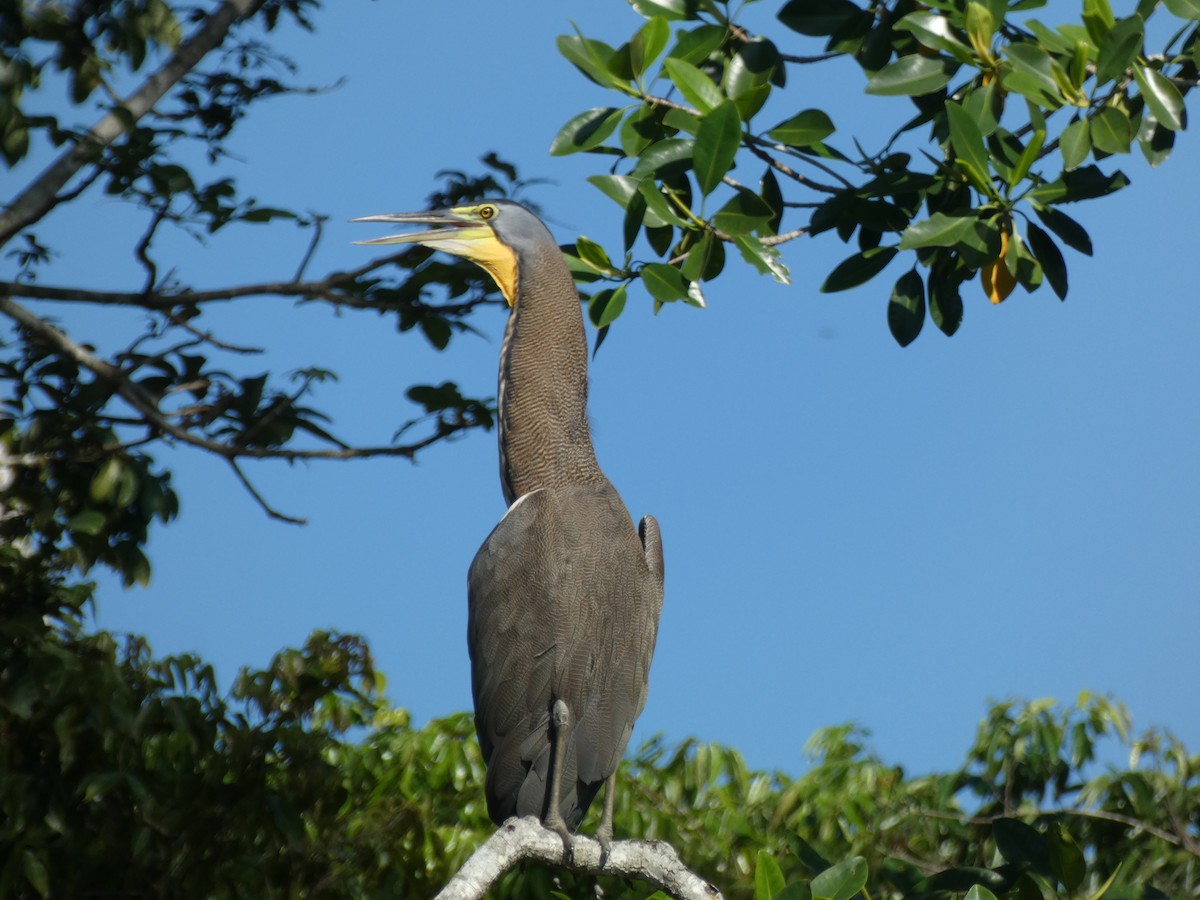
492	234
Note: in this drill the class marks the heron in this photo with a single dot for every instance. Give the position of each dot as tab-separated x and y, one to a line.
565	594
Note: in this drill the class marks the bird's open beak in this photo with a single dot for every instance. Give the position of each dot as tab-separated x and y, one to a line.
460	232
453	228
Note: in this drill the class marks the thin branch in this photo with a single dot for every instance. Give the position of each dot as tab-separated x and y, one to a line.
260	500
526	840
142	250
43	193
755	146
154	418
805	60
318	221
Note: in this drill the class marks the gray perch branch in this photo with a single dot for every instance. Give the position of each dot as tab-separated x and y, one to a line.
525	840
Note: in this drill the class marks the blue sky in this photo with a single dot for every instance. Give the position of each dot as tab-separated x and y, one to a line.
853	532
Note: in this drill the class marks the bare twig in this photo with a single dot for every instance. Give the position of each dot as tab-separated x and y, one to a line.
260	500
526	840
318	221
755	146
43	193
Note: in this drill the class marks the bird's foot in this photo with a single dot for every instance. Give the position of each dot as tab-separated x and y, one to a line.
604	837
556	824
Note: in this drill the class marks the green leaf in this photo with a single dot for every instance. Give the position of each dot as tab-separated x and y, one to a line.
935	31
906	308
658	205
697	45
1086	183
911	76
650	41
697	88
585	131
945	302
699	257
605	306
743	213
668	9
764	257
1163	98
939	230
979	892
818	18
768	877
35	873
717	143
665	158
842	881
1075	143
967	140
1032	74
1098	19
858	269
664	283
594	255
639	130
1119	49
752	67
981	25
90	522
590	57
1054	267
1068	230
1111	131
803	129
1021	843
1185	9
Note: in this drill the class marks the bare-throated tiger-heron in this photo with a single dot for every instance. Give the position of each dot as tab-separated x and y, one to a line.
565	594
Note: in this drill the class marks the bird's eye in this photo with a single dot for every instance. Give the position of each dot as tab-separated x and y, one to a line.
487	212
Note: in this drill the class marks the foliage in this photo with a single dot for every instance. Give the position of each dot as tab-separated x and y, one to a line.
1020	119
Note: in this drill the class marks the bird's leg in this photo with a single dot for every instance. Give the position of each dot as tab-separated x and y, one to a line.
604	834
560	723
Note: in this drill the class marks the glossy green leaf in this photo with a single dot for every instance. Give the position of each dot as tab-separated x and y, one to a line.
1111	131
717	142
1163	98
841	882
605	306
979	892
1185	9
945	302
1032	74
858	269
664	283
667	9
981	25
698	44
594	255
967	140
667	157
752	67
1054	267
697	88
1068	230
906	308
818	18
590	57
586	131
764	257
1021	843
1098	18
639	130
89	522
1075	143
35	873
1155	141
935	31
1085	183
696	264
768	877
658	205
744	212
939	230
649	42
911	76
803	129
1119	49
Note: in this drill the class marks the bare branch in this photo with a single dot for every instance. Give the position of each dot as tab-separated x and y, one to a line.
260	500
526	840
318	221
43	193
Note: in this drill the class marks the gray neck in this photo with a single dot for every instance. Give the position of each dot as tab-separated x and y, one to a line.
542	397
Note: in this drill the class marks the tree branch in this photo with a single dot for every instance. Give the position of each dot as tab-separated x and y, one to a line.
526	840
43	193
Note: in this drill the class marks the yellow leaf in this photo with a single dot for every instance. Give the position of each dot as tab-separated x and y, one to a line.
998	282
